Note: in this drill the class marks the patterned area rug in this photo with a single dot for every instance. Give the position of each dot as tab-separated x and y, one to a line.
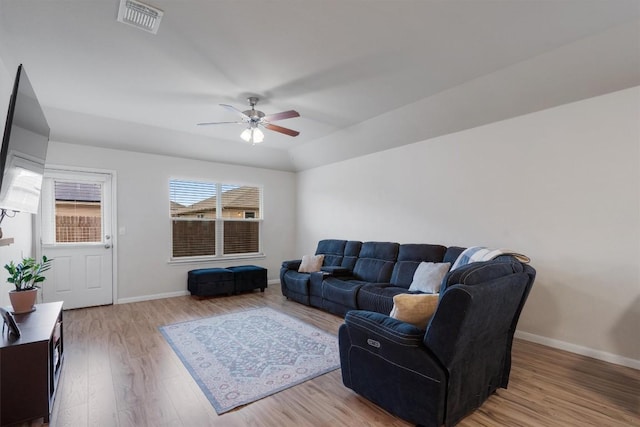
241	357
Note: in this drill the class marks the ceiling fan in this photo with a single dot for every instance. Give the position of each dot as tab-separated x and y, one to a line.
256	119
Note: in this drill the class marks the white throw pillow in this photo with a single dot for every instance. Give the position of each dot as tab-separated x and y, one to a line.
428	277
311	263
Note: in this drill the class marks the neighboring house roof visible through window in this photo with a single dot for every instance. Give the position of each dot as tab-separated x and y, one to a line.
247	198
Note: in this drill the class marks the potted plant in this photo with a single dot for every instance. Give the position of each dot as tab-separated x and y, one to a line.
26	277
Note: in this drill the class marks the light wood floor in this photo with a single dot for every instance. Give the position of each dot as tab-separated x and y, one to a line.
119	371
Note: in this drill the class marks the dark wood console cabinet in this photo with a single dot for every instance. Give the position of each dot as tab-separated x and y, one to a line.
30	365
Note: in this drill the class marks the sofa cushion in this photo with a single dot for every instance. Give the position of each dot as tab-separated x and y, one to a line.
416	309
409	257
311	263
387	251
341	291
428	277
373	270
375	262
421	252
297	282
351	251
332	249
378	297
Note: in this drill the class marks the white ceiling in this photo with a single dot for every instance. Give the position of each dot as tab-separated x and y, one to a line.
365	75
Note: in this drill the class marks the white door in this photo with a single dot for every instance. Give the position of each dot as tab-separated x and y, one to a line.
76	221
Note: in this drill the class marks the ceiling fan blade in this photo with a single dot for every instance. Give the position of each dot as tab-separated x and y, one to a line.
281	116
219	123
280	129
234	109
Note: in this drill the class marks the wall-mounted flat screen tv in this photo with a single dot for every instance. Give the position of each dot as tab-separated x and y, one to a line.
24	149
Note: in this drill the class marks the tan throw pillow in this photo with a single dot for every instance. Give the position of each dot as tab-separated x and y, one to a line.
416	309
311	263
428	277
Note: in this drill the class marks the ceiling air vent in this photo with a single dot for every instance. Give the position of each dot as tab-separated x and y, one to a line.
140	15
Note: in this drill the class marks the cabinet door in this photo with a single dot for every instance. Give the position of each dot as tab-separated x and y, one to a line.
24	378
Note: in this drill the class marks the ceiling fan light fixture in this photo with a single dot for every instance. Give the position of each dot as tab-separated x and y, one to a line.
253	135
246	134
258	136
254	118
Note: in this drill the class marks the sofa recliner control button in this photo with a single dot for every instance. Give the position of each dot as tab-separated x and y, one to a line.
373	343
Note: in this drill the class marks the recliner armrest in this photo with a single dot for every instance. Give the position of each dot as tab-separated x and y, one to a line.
380	325
293	264
391	341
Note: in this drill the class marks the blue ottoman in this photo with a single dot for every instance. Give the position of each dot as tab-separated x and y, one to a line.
207	282
249	277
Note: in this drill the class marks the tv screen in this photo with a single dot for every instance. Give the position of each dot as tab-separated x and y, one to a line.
24	149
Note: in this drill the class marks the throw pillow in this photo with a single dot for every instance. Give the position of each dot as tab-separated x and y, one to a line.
428	277
311	263
414	308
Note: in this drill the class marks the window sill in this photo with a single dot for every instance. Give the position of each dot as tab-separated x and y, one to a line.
224	259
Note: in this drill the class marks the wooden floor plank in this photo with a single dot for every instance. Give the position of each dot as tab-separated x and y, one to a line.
119	371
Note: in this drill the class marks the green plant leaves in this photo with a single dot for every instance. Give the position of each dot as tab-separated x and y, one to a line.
28	273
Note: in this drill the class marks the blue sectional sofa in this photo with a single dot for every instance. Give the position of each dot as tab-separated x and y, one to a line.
360	276
431	373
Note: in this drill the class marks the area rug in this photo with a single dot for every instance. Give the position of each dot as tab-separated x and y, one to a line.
241	357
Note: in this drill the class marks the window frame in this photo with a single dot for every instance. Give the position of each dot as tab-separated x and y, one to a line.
47	209
219	221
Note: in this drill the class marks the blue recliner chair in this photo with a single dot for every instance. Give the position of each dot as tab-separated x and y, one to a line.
439	375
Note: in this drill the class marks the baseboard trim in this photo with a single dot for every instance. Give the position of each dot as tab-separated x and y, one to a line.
578	349
152	297
170	295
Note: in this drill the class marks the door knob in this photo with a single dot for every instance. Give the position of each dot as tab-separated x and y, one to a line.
107	246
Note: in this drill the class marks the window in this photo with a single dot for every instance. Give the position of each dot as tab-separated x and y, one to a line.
78	212
75	208
213	219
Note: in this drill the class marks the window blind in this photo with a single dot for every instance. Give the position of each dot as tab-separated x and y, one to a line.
214	219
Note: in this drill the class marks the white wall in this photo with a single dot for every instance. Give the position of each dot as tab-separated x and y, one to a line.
561	185
143	210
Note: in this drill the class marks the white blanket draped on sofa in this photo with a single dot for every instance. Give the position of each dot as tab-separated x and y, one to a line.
481	253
